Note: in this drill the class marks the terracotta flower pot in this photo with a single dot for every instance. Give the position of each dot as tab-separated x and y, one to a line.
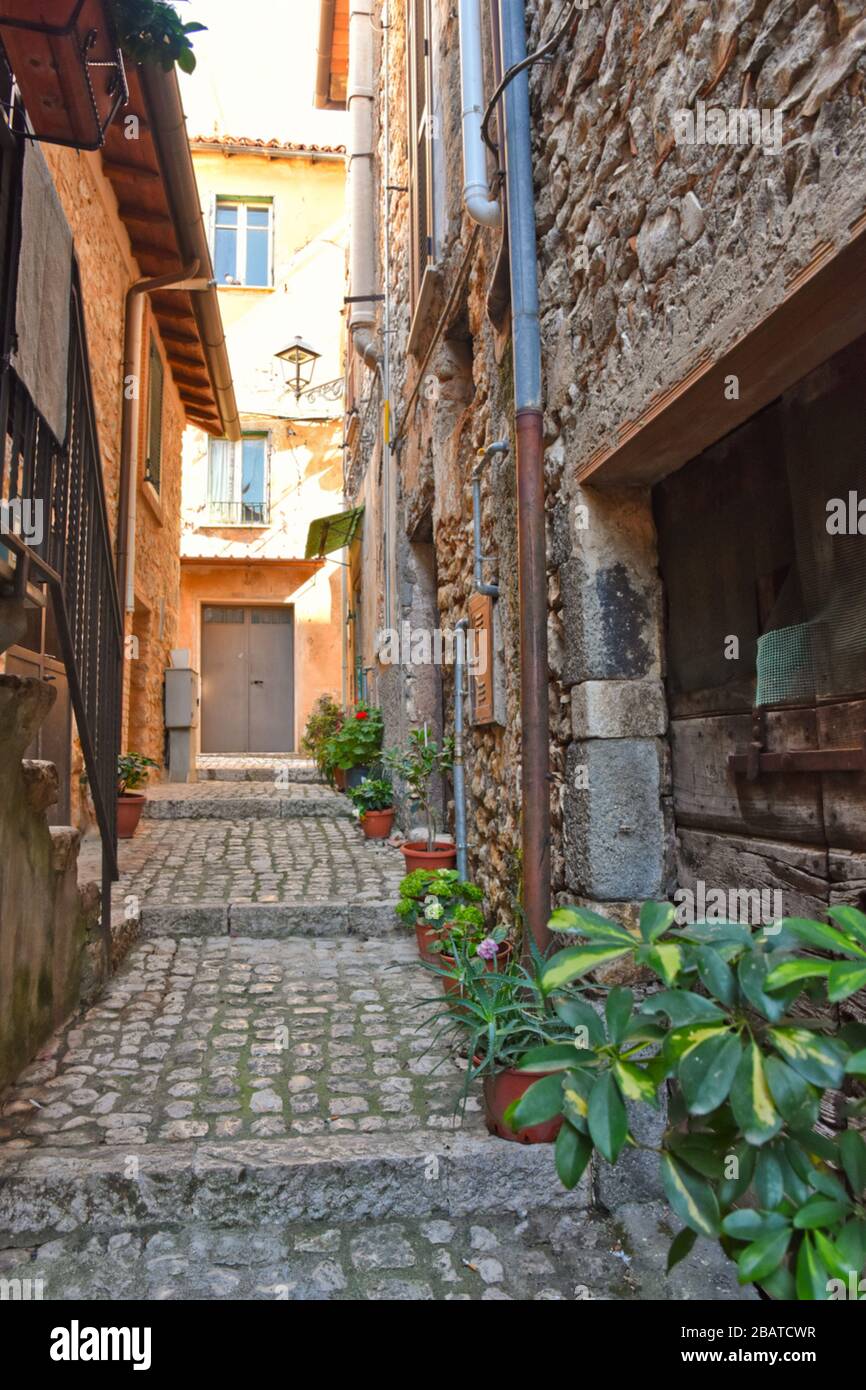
502	1090
129	808
377	825
426	935
339	779
417	856
453	987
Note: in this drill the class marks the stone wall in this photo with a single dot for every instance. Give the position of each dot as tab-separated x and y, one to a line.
51	953
653	254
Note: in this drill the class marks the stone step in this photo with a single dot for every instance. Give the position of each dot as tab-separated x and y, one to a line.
272	921
245	801
470	1219
243	768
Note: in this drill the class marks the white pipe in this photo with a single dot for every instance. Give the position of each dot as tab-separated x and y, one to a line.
362	260
476	184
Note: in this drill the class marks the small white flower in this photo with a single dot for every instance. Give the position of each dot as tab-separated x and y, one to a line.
433	910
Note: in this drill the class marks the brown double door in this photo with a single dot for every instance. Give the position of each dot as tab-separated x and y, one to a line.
247	679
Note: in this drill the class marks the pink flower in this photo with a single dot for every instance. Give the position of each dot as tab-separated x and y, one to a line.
488	949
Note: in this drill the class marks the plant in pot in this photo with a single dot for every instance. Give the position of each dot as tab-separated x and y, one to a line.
325	719
133	770
504	1020
429	900
373	799
353	750
417	765
746	1065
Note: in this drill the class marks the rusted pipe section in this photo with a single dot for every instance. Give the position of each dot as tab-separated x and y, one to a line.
526	334
534	714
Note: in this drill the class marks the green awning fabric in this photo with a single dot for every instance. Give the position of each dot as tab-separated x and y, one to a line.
329	533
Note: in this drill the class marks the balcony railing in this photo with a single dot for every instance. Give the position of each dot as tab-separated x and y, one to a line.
237	513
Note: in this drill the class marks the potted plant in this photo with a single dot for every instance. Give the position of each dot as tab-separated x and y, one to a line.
429	900
64	57
504	1020
352	750
323	722
417	765
133	770
745	1069
373	799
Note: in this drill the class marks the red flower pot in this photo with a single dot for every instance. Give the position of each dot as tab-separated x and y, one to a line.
417	856
340	779
502	1090
129	808
454	987
426	935
377	825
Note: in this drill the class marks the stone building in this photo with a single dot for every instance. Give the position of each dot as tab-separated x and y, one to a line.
699	208
261	621
111	343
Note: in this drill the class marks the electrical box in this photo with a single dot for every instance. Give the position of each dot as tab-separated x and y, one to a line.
182	698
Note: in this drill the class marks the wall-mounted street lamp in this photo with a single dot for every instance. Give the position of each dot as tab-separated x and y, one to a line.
300	360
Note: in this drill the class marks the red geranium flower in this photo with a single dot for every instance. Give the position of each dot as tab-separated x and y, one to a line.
361	714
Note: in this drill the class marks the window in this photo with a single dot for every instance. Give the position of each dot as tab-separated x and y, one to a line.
153	453
242	242
237	482
420	106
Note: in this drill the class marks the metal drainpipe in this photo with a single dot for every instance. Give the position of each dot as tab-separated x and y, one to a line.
534	715
132	344
501	447
458	769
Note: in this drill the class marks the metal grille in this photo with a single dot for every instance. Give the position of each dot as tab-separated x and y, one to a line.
73	556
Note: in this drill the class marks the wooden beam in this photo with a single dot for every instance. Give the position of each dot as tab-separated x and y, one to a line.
150	248
148	217
187	379
175	336
821	312
135	173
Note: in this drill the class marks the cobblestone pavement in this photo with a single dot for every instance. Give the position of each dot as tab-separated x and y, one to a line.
544	1256
232	1038
190	862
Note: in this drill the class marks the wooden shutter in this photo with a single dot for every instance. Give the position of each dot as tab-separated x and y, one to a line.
153	459
420	93
481	629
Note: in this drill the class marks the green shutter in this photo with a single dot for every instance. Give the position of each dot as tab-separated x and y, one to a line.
155	382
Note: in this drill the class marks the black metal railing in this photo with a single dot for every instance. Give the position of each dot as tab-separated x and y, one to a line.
71	552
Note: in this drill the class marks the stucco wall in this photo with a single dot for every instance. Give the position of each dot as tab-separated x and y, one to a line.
107	269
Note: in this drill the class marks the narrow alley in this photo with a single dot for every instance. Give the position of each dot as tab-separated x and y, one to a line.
254	1110
432	670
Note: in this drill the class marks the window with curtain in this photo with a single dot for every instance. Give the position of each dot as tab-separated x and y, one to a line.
153	451
237	482
242	242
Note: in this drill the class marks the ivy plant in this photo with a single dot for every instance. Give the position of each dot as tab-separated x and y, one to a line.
745	1069
151	31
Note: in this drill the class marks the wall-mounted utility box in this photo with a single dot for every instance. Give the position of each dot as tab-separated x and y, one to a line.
182	695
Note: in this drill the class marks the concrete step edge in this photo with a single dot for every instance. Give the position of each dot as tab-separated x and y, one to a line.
271	920
256	1182
249	808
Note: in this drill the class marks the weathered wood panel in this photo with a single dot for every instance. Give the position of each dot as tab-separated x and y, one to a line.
708	796
798	872
842	726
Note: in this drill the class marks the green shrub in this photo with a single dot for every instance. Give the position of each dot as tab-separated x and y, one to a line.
741	1159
